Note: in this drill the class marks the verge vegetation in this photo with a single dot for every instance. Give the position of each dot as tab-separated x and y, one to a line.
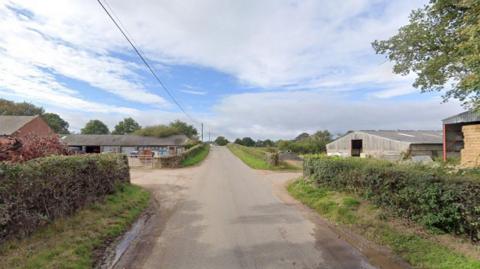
196	156
257	158
422	249
72	242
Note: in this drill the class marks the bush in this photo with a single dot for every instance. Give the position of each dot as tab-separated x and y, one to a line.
31	146
36	192
429	196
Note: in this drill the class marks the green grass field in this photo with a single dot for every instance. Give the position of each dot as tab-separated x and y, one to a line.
419	251
71	242
197	158
254	157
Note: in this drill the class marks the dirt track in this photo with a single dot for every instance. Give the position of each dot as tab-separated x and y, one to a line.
223	214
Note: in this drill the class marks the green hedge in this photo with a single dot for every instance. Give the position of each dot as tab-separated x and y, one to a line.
429	196
36	192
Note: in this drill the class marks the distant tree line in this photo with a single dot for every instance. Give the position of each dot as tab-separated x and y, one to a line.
302	144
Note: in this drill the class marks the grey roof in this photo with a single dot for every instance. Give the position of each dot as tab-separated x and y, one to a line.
11	124
467	116
409	136
123	140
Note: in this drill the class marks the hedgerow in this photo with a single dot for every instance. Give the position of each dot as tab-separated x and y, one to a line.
429	196
38	191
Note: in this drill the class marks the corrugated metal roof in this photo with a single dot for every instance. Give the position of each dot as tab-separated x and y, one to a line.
123	140
410	136
11	124
467	116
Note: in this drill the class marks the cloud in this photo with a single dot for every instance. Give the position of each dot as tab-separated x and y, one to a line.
286	114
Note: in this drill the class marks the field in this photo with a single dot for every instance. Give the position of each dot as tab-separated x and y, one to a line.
255	158
71	242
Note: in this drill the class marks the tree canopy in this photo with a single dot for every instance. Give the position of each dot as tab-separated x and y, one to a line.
441	46
95	127
10	108
126	126
221	141
184	128
246	141
58	125
174	128
315	143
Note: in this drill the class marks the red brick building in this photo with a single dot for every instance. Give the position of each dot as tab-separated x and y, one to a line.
20	126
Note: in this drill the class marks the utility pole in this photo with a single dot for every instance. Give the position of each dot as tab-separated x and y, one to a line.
202	131
208	135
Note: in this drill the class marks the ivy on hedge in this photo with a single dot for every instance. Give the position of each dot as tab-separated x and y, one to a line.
36	192
429	196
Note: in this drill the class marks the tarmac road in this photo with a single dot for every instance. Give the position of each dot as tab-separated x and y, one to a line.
223	214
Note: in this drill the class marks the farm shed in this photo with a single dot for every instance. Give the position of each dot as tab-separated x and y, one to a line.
461	136
390	145
20	126
166	146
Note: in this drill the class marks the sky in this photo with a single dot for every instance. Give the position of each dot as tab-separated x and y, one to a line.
264	69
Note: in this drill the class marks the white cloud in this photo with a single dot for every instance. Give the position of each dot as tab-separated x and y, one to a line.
286	114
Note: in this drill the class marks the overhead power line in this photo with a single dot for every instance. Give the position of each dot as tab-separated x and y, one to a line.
144	60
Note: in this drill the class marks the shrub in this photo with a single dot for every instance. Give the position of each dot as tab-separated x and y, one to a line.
429	196
30	147
36	192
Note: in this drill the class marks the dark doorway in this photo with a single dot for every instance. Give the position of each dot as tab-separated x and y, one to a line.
92	149
357	147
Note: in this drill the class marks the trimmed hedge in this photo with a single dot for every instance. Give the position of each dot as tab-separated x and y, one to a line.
175	161
429	196
36	192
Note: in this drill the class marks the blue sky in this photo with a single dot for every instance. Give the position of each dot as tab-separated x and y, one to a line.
266	69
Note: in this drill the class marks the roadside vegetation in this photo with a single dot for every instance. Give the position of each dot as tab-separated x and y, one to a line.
197	156
72	242
260	158
429	216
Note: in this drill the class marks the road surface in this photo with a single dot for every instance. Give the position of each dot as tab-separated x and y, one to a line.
222	214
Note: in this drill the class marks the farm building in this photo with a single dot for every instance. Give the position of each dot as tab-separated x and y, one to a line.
20	126
166	146
461	137
390	145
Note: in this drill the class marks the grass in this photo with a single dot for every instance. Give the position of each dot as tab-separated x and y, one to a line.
254	157
420	250
196	158
71	242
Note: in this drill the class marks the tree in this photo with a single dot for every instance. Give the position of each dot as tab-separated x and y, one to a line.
19	109
126	126
238	141
268	143
302	136
221	141
184	128
248	142
95	127
440	45
160	130
58	125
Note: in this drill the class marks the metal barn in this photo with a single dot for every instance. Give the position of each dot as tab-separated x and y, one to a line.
389	145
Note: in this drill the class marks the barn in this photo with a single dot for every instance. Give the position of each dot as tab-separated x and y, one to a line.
165	146
21	126
387	144
461	134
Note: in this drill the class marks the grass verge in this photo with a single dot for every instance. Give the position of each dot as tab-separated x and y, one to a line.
196	158
419	249
254	157
71	242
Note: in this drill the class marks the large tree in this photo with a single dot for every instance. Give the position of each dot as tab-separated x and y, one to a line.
95	127
441	46
221	141
126	126
58	125
184	128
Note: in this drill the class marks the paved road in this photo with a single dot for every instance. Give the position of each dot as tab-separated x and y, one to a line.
223	214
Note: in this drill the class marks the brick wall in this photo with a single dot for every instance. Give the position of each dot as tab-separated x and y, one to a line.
470	154
37	126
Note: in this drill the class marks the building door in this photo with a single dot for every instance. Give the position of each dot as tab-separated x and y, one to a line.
92	149
357	147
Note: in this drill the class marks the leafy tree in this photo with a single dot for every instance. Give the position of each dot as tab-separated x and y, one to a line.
302	136
315	143
440	45
184	128
248	142
221	141
95	127
160	130
268	143
19	109
126	126
238	141
58	125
